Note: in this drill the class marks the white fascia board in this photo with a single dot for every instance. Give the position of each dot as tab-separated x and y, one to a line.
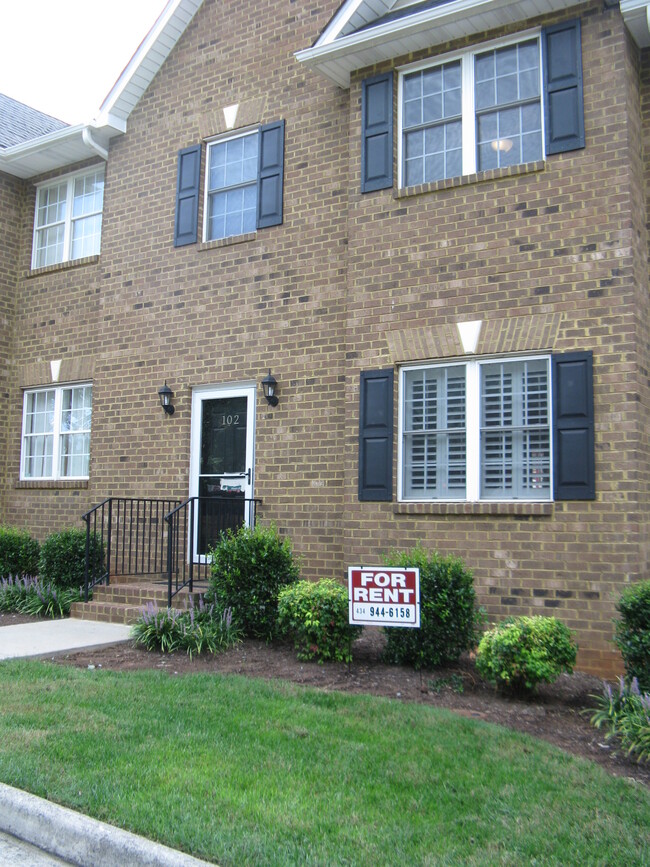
147	60
345	48
340	20
55	150
636	15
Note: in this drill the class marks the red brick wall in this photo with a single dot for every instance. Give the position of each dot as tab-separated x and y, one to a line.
552	258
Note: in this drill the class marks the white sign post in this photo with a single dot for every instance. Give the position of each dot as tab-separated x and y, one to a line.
384	596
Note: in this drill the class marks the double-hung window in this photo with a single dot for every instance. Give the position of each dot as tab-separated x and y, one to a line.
231	186
68	220
476	430
475	111
56	432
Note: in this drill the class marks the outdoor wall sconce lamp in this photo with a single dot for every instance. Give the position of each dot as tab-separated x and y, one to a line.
269	384
165	394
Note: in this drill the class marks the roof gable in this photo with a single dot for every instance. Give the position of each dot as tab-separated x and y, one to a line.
366	32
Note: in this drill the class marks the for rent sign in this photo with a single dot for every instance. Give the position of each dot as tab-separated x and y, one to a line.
381	596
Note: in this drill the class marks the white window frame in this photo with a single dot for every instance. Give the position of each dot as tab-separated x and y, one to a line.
56	432
468	112
69	219
472	428
240	133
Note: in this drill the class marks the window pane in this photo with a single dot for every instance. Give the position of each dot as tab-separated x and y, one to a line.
51	205
232	202
434	433
88	195
515	430
86	237
75	455
49	246
57	447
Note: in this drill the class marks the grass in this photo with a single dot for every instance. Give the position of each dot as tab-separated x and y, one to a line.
247	772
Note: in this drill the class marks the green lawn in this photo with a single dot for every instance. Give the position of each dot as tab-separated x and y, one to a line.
243	772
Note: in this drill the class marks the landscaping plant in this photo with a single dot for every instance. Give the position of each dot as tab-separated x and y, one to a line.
626	715
63	558
521	652
19	553
249	569
200	629
448	614
315	616
36	597
633	632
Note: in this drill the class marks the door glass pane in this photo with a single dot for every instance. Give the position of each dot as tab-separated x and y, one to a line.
223	436
223	453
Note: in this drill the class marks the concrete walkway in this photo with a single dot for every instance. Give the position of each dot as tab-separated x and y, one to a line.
56	636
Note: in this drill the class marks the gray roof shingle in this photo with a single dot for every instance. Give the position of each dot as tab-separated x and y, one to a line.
20	123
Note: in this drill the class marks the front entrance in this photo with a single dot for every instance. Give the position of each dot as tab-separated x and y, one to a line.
222	461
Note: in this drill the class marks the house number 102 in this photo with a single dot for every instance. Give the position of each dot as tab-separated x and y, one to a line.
229	420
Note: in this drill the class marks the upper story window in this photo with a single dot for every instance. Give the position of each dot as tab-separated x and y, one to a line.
477	430
476	111
56	432
68	220
231	186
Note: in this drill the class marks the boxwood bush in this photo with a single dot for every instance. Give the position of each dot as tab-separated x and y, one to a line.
315	616
633	632
63	557
19	553
249	569
448	614
521	652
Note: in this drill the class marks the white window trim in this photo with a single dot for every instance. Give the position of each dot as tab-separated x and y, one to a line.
69	179
472	428
468	117
230	136
58	390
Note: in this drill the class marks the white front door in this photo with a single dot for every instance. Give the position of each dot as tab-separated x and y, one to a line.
222	460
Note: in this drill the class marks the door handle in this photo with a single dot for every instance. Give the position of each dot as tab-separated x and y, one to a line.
246	475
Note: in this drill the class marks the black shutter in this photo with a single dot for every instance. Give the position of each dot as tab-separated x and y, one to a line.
573	427
271	169
376	435
563	105
187	196
377	133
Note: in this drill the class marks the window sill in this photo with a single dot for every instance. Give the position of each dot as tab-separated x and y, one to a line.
464	180
51	484
64	266
227	242
486	508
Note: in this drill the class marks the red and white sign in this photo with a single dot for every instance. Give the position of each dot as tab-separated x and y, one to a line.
383	596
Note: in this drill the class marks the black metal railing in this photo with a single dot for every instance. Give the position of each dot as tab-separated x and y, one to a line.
194	527
126	536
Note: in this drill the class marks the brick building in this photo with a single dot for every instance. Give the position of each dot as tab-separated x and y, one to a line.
427	220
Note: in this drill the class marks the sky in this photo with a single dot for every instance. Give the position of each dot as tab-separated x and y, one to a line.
63	56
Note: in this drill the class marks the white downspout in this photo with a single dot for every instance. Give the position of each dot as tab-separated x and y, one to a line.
90	142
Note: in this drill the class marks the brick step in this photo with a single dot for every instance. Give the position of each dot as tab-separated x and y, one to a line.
123	602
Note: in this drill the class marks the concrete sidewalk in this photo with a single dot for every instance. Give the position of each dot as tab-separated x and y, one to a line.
56	636
77	839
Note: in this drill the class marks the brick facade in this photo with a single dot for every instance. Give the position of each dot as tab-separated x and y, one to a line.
550	257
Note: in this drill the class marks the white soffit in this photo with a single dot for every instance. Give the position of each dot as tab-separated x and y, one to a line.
636	15
76	143
336	56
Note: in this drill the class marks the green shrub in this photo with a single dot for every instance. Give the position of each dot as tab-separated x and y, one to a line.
202	629
249	568
626	715
315	616
63	558
633	632
448	616
18	553
521	652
